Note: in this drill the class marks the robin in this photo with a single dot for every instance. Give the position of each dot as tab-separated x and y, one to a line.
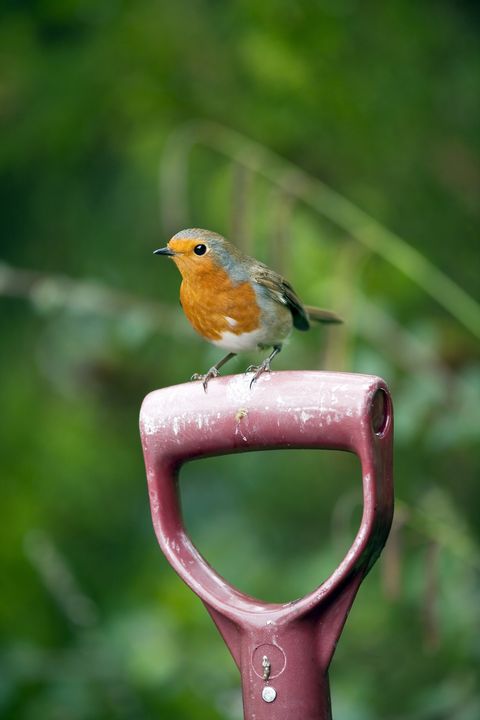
235	301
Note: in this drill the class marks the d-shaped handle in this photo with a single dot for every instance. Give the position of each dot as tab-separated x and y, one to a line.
282	650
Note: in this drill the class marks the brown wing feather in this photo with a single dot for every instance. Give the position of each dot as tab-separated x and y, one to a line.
282	292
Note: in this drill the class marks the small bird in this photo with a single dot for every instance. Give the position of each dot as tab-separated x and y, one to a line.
235	301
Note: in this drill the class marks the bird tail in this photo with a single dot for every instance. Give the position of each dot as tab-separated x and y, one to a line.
323	316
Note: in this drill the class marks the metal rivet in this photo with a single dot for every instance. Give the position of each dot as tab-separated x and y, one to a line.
269	694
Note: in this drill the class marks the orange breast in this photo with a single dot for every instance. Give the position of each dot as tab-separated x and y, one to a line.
209	299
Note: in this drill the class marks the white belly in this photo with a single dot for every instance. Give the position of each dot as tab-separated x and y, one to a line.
241	343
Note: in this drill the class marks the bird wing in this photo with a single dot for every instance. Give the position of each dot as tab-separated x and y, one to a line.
282	292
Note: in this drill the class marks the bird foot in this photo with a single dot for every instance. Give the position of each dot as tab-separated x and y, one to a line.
258	370
212	373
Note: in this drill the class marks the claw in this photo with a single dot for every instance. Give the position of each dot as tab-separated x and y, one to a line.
212	373
264	366
258	370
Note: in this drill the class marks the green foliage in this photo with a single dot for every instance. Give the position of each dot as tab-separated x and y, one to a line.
338	141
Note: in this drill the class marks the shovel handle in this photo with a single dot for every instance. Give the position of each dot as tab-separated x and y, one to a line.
288	645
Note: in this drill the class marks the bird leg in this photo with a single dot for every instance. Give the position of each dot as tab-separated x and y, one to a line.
264	366
213	372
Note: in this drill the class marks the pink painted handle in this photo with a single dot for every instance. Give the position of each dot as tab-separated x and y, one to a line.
283	410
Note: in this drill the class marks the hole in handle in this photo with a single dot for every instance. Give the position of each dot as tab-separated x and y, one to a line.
275	523
380	412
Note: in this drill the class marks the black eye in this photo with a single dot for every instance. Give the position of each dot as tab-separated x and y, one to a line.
200	249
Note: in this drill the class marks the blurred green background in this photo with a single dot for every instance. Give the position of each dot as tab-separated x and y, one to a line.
340	142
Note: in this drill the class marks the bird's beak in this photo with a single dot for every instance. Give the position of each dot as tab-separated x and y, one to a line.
164	251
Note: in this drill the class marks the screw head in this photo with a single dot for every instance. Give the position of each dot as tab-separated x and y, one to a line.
269	694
